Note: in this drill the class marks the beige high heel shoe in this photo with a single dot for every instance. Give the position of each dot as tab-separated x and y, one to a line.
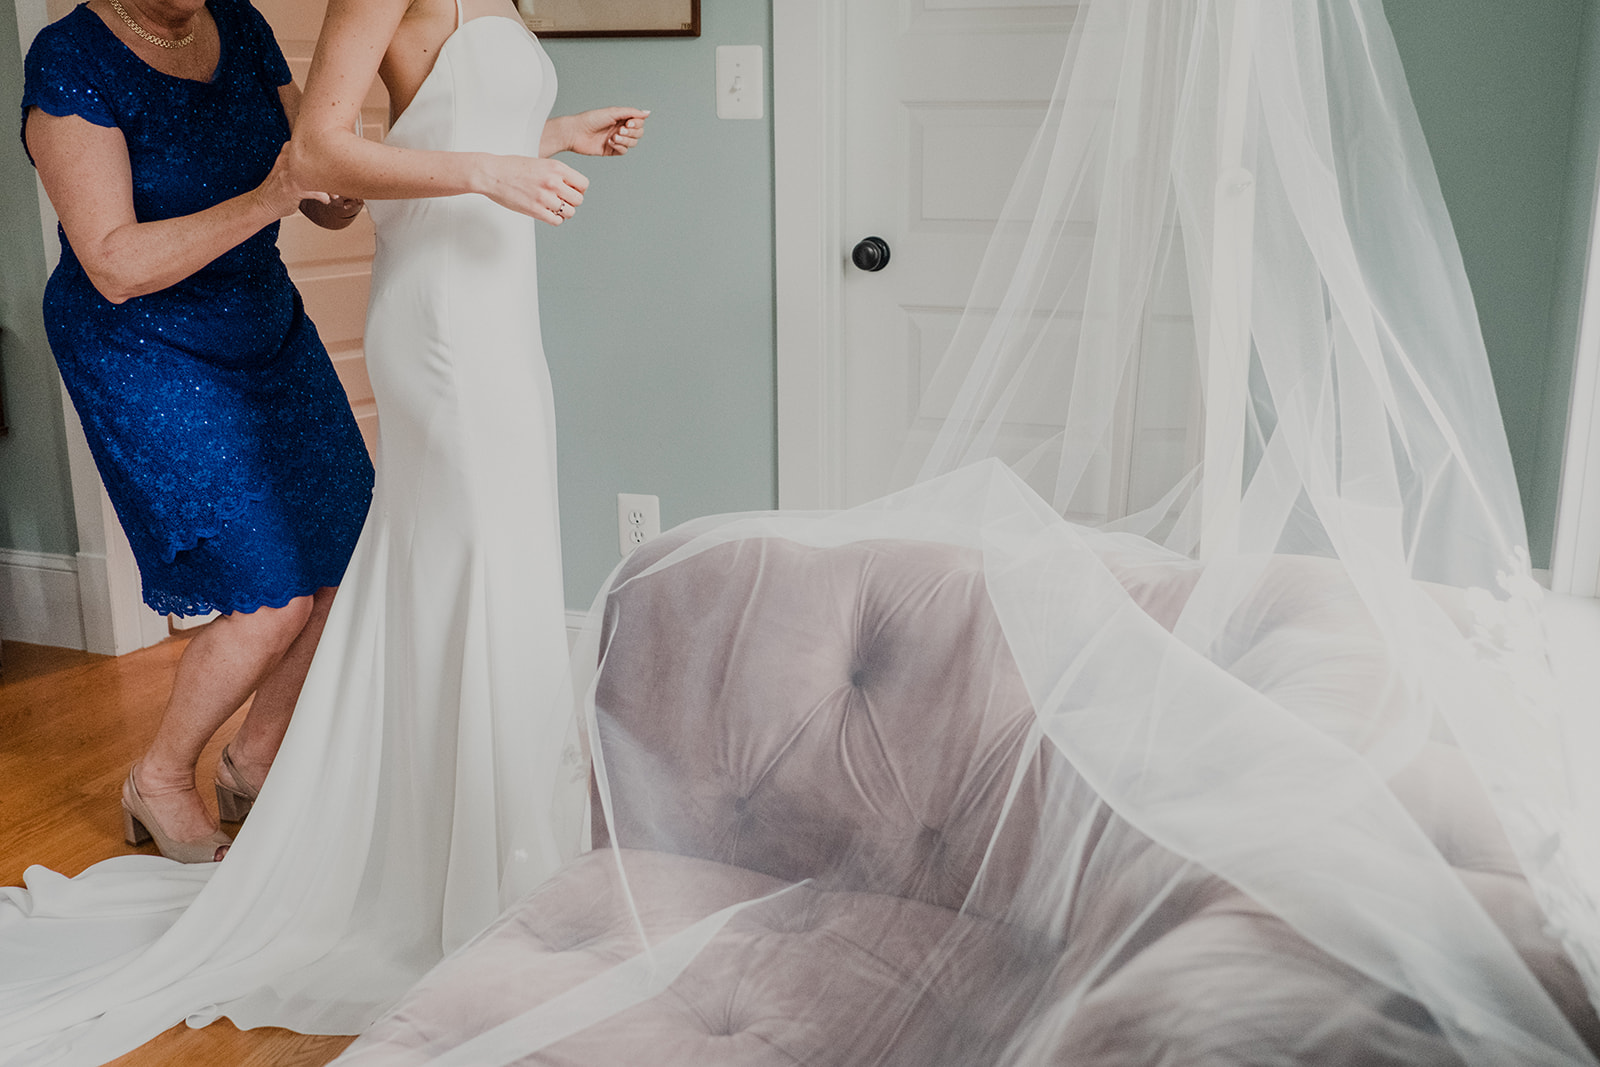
235	794
139	826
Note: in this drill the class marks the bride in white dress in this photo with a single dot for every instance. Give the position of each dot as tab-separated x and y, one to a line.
409	804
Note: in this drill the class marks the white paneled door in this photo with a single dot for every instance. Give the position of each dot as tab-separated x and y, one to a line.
908	120
940	101
904	120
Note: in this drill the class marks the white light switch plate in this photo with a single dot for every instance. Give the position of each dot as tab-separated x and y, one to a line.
741	83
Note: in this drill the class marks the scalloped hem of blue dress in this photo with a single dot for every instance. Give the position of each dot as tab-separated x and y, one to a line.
188	607
222	515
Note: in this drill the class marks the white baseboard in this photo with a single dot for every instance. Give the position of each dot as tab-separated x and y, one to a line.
40	605
115	620
39	598
574	627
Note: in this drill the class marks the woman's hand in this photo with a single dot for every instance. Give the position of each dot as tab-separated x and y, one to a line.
545	189
606	131
280	194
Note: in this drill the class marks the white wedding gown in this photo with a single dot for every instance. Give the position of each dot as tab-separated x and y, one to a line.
409	803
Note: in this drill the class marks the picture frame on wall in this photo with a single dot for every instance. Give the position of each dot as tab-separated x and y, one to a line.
611	18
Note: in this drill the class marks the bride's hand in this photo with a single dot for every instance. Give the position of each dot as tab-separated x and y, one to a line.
607	131
280	193
545	189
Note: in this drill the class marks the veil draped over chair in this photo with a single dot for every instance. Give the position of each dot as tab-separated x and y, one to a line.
1291	780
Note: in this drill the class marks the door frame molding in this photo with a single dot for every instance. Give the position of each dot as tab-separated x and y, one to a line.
1575	554
807	63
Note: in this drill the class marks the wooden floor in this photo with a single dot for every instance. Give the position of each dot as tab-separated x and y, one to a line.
70	723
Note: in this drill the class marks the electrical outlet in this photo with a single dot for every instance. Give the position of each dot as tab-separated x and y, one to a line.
638	520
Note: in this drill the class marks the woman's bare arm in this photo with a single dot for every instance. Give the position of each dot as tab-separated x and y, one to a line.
86	173
326	152
336	212
606	131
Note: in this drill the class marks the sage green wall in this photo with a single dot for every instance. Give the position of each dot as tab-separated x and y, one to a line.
657	298
1497	87
35	493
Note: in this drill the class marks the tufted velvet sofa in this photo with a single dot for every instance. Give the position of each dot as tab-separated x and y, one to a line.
773	713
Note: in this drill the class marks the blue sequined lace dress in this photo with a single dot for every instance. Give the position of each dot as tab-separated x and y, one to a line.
216	419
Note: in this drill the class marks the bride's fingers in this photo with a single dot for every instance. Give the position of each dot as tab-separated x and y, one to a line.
543	189
574	180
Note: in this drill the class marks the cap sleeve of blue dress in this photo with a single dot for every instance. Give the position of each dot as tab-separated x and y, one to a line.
60	79
263	45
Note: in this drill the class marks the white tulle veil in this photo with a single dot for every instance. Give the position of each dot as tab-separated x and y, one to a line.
1226	470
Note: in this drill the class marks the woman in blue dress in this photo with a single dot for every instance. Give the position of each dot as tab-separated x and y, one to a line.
215	417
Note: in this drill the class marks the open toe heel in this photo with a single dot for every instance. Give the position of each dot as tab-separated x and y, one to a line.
139	826
235	795
133	831
233	805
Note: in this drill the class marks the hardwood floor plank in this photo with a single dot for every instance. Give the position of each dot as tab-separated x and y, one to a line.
224	1043
70	724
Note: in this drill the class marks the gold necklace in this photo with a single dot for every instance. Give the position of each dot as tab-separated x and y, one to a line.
159	42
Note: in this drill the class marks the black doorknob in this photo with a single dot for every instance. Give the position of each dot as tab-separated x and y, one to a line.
870	253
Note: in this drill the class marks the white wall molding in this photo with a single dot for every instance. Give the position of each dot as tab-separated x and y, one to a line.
806	56
108	612
1575	557
33	16
39	598
87	601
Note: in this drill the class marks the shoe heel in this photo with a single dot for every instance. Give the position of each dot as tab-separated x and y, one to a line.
138	826
232	806
133	831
